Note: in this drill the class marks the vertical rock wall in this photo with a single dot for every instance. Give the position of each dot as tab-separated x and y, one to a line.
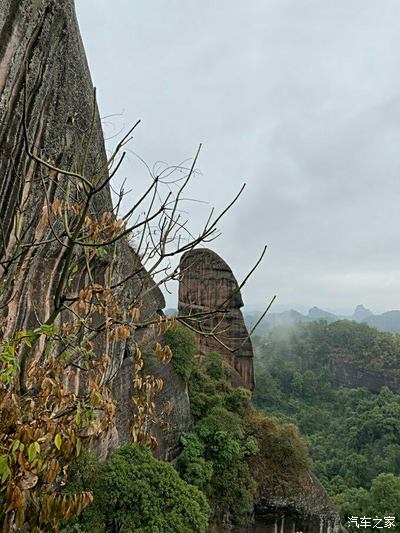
308	509
42	37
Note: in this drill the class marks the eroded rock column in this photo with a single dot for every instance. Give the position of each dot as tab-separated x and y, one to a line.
208	286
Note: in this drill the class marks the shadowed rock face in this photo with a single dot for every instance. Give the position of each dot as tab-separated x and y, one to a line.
207	283
309	510
174	391
43	36
353	375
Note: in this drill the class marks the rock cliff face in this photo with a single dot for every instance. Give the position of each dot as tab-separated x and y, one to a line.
310	510
208	284
174	391
353	375
43	37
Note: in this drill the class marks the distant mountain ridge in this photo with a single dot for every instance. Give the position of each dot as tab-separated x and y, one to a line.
388	321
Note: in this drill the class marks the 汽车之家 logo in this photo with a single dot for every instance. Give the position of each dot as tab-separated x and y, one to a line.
377	523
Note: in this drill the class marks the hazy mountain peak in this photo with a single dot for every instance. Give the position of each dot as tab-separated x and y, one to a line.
388	321
361	312
316	313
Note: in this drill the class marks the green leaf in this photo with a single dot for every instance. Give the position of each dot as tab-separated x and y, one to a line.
78	419
3	463
45	329
101	252
6	475
31	452
15	445
47	349
58	441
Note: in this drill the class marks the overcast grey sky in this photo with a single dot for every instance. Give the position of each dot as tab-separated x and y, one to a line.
299	99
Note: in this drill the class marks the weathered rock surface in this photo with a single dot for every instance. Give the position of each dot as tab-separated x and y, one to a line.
352	375
43	36
206	285
174	391
309	510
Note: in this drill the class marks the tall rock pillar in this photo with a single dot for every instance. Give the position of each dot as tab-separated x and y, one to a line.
207	284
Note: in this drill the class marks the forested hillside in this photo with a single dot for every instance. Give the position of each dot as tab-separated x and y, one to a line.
353	434
230	457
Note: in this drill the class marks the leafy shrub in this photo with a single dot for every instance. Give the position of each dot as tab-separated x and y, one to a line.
208	385
216	366
233	492
283	459
238	400
215	459
135	493
183	345
219	419
192	462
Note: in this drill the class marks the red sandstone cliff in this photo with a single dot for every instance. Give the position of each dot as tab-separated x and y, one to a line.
208	284
43	36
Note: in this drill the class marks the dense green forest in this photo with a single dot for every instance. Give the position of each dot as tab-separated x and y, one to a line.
353	435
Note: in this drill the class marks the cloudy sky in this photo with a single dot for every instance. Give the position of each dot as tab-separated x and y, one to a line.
300	99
